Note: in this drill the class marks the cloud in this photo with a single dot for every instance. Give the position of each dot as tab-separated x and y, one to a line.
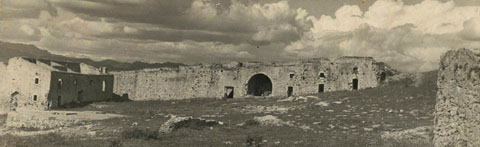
409	37
263	23
27	30
181	31
429	16
471	29
14	9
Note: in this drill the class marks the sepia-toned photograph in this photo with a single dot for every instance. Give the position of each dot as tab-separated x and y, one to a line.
239	73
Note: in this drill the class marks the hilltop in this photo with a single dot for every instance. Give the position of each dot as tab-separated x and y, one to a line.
343	118
9	50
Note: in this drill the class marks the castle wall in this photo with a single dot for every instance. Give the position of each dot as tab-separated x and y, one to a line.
66	88
210	80
88	69
457	119
33	84
125	83
4	106
21	88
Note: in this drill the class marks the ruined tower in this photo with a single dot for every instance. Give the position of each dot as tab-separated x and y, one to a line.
457	116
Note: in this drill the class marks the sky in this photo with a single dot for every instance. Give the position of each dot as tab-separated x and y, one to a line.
409	35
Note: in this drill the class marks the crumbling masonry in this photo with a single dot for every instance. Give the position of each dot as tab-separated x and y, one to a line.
38	84
244	79
457	116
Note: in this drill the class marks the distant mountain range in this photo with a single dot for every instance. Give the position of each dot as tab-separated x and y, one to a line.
9	50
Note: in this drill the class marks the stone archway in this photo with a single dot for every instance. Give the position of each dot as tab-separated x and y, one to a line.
259	85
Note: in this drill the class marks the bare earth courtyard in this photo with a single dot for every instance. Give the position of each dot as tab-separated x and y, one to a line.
399	113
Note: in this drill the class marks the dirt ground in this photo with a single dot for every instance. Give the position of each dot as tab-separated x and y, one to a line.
356	118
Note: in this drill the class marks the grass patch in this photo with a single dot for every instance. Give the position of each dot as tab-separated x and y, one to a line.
254	141
140	133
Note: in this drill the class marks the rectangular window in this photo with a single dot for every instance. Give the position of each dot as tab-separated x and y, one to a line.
228	92
36	80
103	86
60	83
59	101
35	97
322	75
292	75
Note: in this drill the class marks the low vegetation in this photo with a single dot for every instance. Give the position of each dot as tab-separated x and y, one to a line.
140	133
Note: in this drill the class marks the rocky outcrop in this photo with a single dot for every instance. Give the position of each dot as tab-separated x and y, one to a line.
423	133
270	120
457	116
176	122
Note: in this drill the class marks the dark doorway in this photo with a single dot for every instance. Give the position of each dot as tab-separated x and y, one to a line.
355	84
228	92
290	91
383	77
259	85
14	101
321	88
59	101
80	96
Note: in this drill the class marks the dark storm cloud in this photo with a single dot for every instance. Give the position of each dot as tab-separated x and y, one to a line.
165	13
223	21
174	35
14	9
144	11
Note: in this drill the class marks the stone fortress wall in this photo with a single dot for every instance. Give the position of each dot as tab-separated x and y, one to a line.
3	102
457	116
38	84
242	79
77	88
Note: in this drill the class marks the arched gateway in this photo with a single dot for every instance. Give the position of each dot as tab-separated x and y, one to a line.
259	85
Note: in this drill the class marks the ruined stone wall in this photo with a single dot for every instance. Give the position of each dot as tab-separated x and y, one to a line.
33	84
4	106
165	83
88	69
457	116
21	88
210	80
125	83
66	88
366	73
